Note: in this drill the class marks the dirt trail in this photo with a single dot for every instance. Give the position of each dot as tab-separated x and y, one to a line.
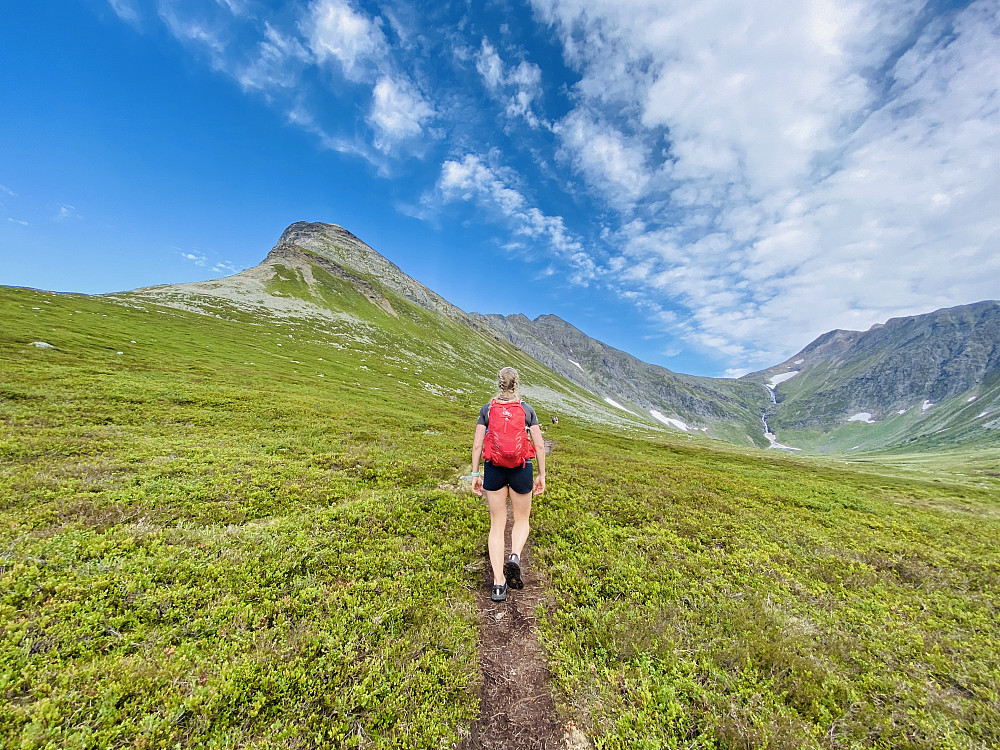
517	711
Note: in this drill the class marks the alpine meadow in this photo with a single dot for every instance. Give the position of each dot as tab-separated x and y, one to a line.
233	515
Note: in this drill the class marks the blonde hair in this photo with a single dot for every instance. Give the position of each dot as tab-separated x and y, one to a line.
508	382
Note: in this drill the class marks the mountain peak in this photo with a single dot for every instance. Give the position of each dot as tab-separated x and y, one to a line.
334	243
323	244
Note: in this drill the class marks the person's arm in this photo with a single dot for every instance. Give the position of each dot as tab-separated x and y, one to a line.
477	455
536	438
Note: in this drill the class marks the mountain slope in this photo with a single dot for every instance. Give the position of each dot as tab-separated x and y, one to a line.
321	278
718	407
925	381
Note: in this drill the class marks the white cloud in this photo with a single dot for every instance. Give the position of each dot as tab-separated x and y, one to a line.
301	117
199	32
7	191
337	31
22	222
276	64
517	87
196	258
225	267
67	212
611	164
472	179
398	111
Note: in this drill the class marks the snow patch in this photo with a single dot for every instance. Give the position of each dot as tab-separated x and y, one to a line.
985	413
862	416
901	411
42	344
799	361
578	365
970	399
927	405
618	406
669	421
782	377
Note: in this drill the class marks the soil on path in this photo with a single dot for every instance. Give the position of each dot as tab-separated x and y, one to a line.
517	711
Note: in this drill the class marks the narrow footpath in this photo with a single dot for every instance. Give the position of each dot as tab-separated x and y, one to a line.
517	711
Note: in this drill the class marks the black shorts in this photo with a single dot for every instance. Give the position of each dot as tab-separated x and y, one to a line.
520	479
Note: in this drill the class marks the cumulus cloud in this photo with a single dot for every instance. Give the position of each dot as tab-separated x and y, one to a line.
398	111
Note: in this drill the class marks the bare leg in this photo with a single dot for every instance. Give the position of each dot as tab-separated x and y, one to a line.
521	505
497	500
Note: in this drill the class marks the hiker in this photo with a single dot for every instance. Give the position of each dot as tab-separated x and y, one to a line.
515	438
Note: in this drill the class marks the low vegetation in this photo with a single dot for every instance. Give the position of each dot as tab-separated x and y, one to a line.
253	533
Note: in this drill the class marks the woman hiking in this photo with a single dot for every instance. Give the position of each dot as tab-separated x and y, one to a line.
507	436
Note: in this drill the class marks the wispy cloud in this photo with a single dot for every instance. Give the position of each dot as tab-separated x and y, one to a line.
473	179
318	57
197	258
67	212
7	191
22	222
125	10
277	64
225	267
518	87
202	261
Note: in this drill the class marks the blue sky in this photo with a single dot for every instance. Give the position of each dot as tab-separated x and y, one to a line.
706	185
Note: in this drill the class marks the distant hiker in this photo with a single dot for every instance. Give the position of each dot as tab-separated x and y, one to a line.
507	436
555	420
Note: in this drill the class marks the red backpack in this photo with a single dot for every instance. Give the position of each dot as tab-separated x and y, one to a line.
507	441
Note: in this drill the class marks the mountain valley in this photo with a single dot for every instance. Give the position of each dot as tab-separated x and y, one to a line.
234	514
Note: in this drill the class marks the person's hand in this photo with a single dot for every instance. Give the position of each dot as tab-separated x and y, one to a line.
539	485
477	486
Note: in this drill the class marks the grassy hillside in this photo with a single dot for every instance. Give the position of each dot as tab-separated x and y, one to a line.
240	531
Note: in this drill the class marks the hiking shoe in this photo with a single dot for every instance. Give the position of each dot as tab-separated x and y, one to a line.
499	593
512	571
